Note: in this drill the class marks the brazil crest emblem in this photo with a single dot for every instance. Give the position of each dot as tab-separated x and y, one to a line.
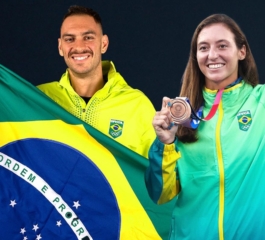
115	128
244	120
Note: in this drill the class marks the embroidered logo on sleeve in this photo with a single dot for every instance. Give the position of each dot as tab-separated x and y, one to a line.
115	128
244	120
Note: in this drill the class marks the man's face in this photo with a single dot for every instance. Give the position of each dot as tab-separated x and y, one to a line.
81	44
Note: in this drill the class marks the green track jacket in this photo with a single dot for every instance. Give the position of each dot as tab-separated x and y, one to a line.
218	181
119	111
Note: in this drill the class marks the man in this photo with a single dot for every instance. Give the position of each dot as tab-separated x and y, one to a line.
93	91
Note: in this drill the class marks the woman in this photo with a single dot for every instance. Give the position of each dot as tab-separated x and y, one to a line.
217	170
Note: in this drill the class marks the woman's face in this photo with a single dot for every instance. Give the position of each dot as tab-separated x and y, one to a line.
218	56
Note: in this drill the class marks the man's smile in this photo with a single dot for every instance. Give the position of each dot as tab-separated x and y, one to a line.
80	58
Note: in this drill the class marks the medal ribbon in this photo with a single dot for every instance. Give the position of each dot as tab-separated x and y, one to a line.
213	108
197	117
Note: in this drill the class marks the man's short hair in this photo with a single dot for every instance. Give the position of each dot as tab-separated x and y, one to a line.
79	10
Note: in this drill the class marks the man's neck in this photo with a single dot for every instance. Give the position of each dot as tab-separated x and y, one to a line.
86	86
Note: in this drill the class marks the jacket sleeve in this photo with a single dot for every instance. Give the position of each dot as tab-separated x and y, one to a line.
147	135
161	175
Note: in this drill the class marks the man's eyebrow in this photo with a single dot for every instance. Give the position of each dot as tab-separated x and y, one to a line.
84	33
68	35
89	32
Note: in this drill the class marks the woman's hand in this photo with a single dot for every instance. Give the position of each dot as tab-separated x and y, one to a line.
164	126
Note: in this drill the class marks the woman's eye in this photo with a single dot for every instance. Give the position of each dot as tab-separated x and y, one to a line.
202	48
222	46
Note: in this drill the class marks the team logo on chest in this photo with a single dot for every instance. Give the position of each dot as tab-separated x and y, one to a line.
244	120
115	128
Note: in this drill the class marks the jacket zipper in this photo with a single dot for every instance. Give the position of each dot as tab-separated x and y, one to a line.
221	172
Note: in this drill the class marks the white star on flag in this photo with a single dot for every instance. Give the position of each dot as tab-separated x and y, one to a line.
12	203
38	237
59	223
22	230
35	227
25	238
76	204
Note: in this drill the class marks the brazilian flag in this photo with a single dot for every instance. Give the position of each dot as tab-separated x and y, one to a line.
62	179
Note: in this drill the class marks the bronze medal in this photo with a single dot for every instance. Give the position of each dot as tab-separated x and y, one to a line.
180	110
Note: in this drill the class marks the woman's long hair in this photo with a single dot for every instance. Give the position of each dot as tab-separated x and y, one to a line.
193	79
